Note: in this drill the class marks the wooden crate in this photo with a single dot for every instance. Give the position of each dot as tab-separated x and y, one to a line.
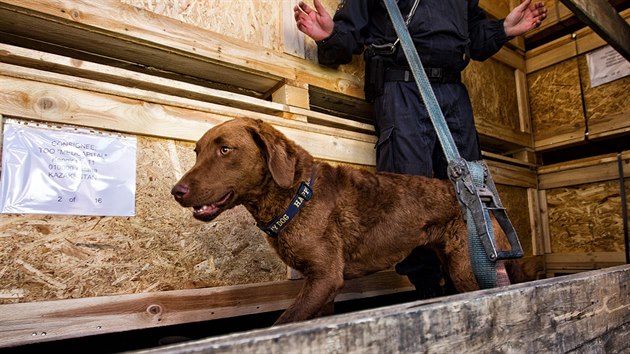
113	261
166	73
582	213
561	98
188	41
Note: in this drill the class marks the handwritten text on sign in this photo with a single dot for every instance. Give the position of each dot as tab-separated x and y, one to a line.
67	171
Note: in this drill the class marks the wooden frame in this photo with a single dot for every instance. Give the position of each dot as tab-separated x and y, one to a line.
91	33
561	61
44	87
582	312
566	47
173	80
35	322
574	173
605	21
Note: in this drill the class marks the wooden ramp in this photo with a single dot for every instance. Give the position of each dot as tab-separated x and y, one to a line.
586	313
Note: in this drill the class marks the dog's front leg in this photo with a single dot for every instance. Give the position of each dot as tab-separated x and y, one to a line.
314	295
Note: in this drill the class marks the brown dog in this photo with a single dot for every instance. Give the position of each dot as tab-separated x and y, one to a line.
356	223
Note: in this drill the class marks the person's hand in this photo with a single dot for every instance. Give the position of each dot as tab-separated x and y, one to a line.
525	17
315	23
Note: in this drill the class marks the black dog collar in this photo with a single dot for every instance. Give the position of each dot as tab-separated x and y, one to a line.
304	193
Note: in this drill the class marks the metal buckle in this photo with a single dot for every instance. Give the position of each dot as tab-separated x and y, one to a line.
481	200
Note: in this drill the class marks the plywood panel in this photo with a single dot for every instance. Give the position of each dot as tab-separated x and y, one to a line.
257	21
45	257
586	218
605	100
492	89
555	101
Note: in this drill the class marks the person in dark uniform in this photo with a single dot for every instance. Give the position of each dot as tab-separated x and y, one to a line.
446	34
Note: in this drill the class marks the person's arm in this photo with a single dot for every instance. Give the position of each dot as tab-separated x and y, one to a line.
488	36
338	38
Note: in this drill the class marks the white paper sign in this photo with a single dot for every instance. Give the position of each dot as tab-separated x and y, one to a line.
606	65
52	170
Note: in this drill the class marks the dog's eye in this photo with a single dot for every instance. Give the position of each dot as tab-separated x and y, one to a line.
225	150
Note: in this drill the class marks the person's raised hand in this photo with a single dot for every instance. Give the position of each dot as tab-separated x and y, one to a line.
525	17
315	23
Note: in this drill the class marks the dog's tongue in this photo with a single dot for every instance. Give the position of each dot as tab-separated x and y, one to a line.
205	210
212	209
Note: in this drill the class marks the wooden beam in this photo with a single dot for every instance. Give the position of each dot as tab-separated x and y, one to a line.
605	21
583	312
524	114
544	221
535	222
588	170
21	95
34	322
566	47
116	30
557	262
510	175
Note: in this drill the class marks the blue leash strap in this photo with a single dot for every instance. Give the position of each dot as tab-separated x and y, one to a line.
475	189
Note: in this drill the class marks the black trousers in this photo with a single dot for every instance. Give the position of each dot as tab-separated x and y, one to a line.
408	144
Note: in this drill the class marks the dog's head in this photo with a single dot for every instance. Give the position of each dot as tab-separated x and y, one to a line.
235	162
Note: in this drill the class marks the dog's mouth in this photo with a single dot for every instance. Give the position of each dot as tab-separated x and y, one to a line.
210	211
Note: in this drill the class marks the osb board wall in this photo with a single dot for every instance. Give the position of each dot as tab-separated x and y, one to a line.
255	21
46	257
555	100
604	100
586	218
492	89
514	199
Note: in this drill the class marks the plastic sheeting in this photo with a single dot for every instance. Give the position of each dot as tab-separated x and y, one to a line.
64	170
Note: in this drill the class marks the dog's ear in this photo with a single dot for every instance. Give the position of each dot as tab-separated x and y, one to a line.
281	157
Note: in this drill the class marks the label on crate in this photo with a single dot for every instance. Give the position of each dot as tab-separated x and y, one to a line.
606	65
66	170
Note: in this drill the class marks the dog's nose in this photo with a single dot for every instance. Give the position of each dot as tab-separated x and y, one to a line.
179	191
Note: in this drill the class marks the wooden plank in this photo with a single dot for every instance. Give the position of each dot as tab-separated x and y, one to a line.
605	21
535	220
511	175
544	220
511	138
566	47
583	261
524	115
603	172
53	103
511	58
26	323
510	160
96	72
580	163
291	95
113	29
562	314
589	170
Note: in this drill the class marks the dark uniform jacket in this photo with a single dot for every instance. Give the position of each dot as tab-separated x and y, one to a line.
446	33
